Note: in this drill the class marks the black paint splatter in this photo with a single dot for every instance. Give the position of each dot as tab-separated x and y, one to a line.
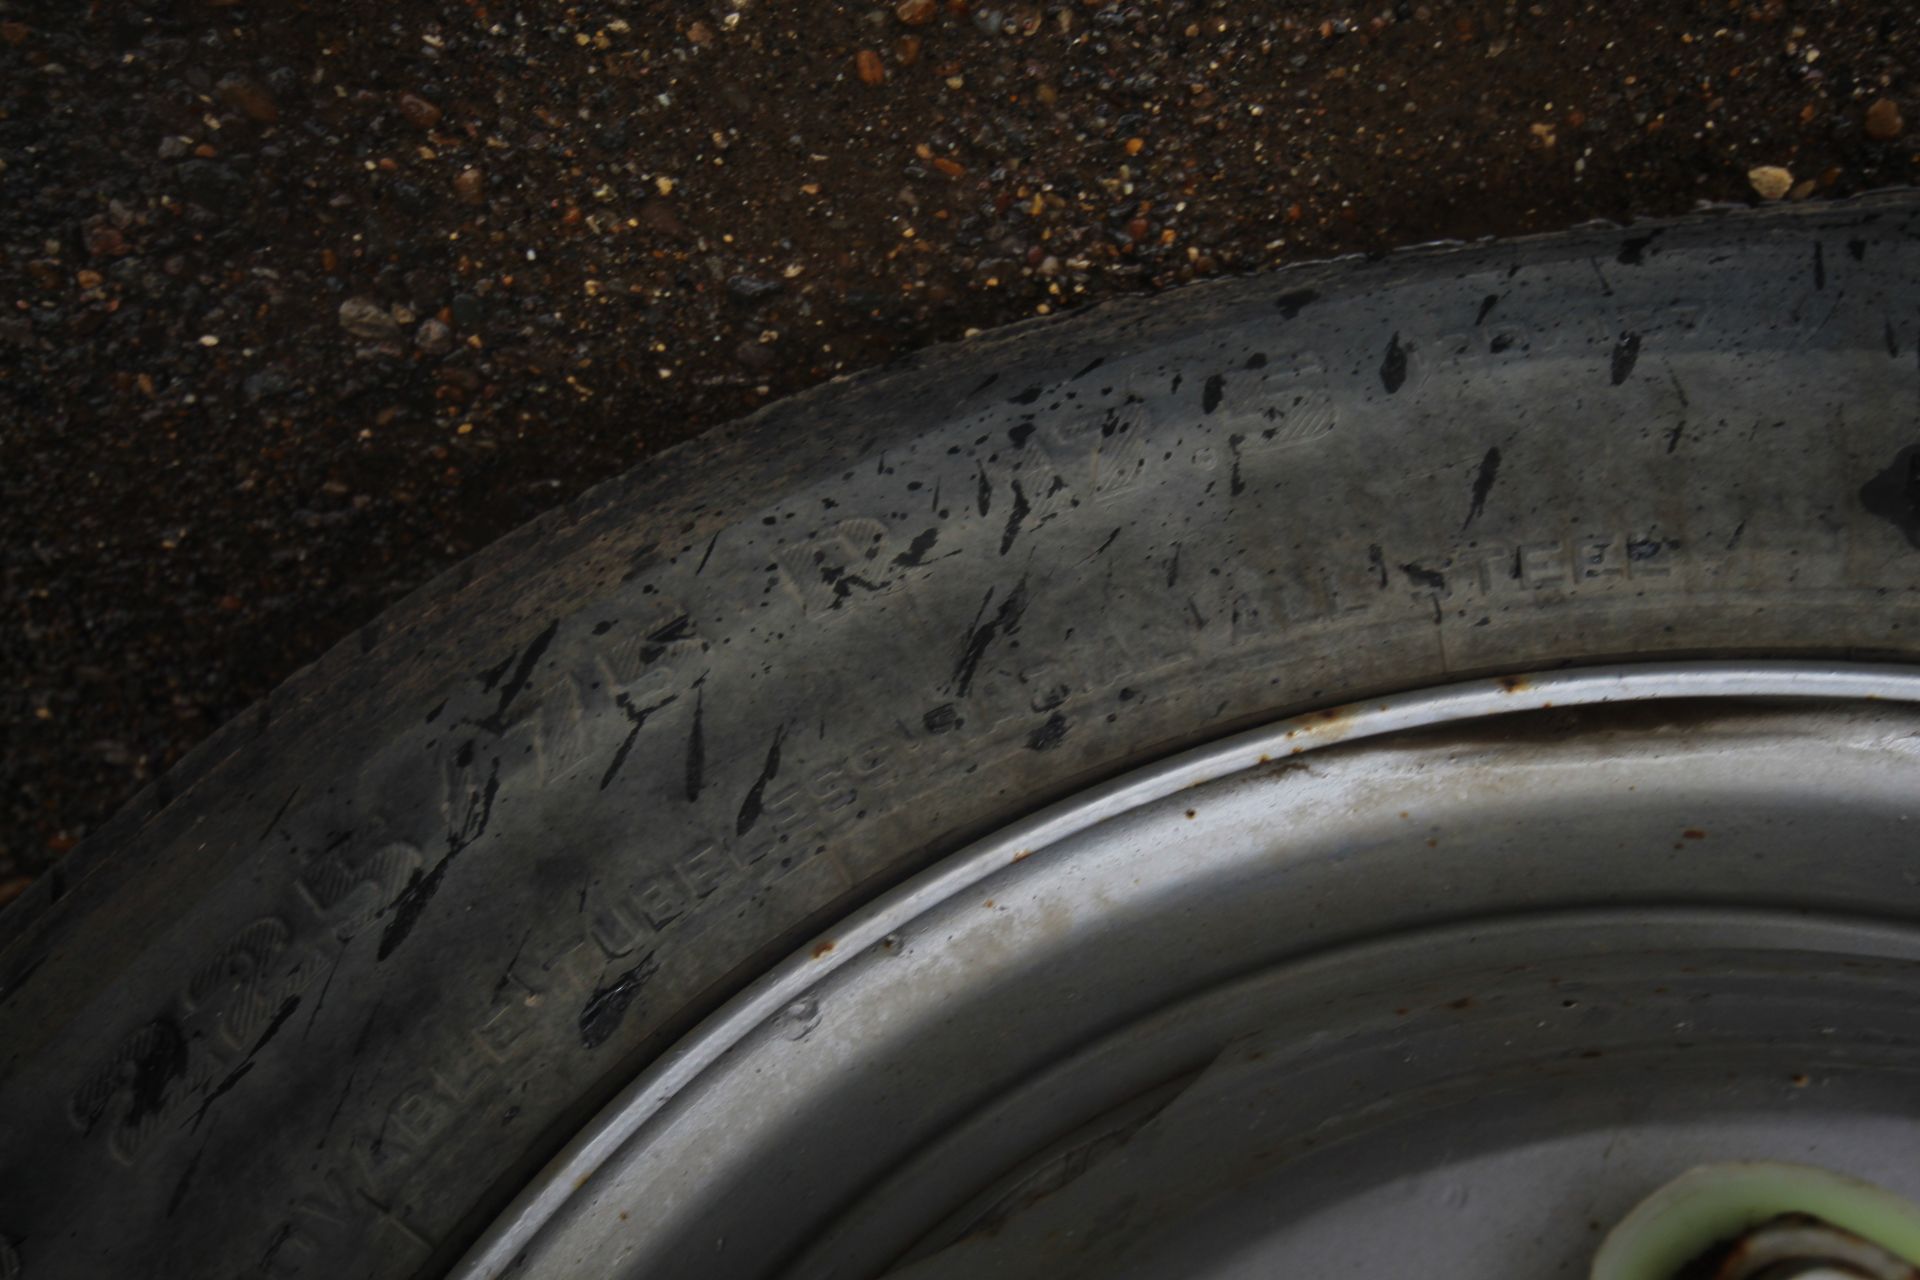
750	807
697	743
1290	303
1005	621
944	718
280	813
239	1073
1483	484
1049	735
668	633
186	1179
420	887
1633	250
1420	576
1894	494
496	722
1211	392
608	1005
637	719
1625	353
916	551
1021	510
1393	368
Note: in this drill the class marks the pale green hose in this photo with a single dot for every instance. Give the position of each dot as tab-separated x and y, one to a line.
1718	1202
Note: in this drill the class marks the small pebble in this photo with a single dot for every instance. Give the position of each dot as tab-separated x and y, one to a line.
872	71
916	13
1770	181
750	288
470	187
433	337
420	113
700	33
105	241
365	318
248	98
755	356
262	385
1884	121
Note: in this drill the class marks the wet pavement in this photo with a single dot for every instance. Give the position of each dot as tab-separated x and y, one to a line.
305	302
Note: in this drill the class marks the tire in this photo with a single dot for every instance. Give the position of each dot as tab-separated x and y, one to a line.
321	1000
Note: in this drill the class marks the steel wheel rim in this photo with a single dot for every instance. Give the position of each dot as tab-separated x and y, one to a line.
687	1129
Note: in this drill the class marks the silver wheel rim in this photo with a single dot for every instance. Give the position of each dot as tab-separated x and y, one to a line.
1454	976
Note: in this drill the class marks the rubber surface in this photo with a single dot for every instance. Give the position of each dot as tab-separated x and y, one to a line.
317	1004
